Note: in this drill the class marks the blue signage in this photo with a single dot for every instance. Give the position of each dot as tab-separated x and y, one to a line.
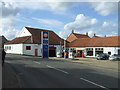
45	41
51	45
45	35
45	51
45	44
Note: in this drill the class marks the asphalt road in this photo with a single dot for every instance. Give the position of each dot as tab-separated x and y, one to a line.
35	72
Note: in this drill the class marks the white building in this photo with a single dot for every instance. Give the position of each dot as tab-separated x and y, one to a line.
92	46
29	43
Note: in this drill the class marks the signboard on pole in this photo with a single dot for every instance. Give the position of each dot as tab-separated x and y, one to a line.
45	44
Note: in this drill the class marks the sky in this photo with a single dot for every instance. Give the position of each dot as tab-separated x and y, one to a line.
62	16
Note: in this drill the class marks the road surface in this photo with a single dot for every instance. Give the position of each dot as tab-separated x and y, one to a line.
35	72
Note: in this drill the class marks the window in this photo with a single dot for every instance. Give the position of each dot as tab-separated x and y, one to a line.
7	47
89	51
109	53
28	47
98	49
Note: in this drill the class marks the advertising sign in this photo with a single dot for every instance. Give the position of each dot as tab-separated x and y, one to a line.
115	51
45	51
45	44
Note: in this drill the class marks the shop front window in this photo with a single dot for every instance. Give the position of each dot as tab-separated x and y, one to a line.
98	51
89	51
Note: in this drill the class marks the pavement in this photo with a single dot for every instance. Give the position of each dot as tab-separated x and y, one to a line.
10	79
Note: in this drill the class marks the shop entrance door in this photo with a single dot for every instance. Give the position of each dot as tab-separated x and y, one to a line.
79	53
52	51
36	52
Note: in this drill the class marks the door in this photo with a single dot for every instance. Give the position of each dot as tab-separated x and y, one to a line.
52	51
79	53
119	52
36	52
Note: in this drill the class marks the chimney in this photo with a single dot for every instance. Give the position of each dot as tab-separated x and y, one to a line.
72	31
87	33
94	34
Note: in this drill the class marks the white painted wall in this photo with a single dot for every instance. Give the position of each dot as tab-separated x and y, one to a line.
24	32
109	49
15	48
105	50
32	51
36	46
58	49
21	49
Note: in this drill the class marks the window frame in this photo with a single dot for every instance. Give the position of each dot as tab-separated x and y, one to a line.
28	47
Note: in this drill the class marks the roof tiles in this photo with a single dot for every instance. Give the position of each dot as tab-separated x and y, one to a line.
96	42
74	36
54	39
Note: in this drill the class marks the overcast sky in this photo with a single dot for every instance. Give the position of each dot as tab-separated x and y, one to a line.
61	17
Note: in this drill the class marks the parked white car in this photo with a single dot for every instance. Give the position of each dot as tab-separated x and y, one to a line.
114	57
59	54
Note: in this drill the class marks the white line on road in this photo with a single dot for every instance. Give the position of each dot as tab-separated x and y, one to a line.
57	69
37	62
94	83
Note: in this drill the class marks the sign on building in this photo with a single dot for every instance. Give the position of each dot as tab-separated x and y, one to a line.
45	44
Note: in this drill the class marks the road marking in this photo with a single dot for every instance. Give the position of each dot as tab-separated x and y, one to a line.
94	83
37	62
57	69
